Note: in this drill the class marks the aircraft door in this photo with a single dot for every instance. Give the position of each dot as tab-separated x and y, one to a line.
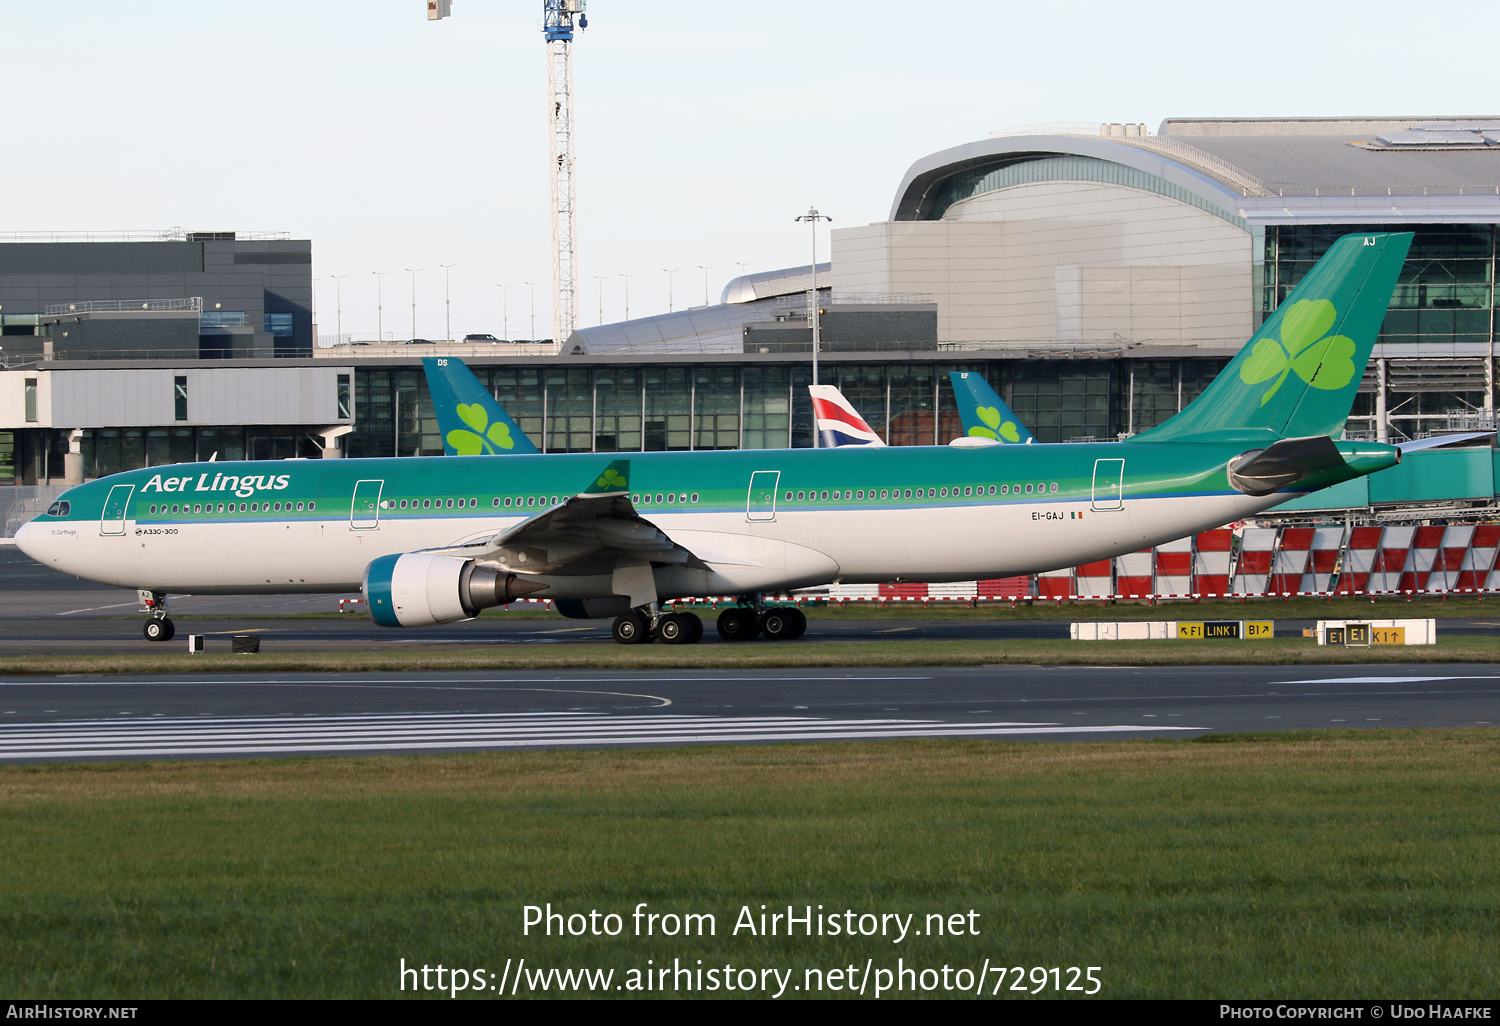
761	503
1109	484
115	507
364	512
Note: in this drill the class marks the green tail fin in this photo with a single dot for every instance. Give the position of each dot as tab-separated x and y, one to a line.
983	412
472	423
1298	374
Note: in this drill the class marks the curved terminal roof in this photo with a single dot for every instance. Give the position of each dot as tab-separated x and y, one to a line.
769	284
1249	171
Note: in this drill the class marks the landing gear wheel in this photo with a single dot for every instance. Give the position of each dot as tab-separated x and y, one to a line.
783	623
697	625
739	624
632	628
159	630
677	629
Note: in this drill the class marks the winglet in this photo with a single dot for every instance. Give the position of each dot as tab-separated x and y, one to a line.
612	480
471	421
983	412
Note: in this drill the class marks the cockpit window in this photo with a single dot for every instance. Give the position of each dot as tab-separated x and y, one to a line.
60	508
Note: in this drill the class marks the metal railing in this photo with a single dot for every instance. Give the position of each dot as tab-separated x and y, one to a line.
1473	420
175	234
193	304
361	350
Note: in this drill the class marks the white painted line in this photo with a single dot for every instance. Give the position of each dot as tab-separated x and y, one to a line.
1384	680
266	735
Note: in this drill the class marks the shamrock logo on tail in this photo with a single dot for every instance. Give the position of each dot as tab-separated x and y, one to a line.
995	428
486	438
612	480
1322	362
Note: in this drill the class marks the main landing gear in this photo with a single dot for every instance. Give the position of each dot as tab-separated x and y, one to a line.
774	623
643	625
158	628
636	628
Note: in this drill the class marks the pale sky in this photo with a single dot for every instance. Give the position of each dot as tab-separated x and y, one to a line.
704	128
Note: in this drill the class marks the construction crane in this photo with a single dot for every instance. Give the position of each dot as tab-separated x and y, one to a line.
560	18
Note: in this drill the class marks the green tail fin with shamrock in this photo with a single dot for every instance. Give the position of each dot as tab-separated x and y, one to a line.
1297	376
472	423
983	412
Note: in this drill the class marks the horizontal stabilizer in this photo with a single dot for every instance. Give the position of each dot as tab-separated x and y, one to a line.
1446	441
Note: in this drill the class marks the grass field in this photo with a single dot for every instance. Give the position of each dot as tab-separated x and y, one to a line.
606	655
1353	864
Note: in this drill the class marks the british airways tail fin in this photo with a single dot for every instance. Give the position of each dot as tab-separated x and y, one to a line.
983	412
838	422
471	421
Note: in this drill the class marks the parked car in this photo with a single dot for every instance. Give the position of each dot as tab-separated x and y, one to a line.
419	342
480	338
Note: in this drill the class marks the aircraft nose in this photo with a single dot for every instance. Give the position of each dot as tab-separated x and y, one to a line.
29	540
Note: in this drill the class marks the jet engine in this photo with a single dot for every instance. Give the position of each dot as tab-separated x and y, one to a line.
421	589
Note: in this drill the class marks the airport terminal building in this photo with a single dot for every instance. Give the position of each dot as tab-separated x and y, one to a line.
1097	276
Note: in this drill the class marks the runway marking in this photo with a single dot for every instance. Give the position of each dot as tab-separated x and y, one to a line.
386	682
95	609
80	739
1386	680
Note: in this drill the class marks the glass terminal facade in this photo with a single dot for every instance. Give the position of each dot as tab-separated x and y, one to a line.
745	405
1443	308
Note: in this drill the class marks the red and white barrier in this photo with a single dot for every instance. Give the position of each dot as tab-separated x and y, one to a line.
1213	560
1174	569
1252	563
1253	567
1323	561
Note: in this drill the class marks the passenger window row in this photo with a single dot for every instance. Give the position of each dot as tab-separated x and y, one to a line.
230	507
952	491
664	498
428	503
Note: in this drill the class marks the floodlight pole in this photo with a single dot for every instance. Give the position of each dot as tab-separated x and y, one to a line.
533	285
447	303
315	309
812	217
600	279
379	305
504	309
627	278
670	271
705	268
414	271
339	291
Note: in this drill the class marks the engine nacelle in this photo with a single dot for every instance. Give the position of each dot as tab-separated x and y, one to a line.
422	589
593	608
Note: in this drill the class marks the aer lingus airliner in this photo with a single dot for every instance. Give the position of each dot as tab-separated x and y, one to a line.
436	540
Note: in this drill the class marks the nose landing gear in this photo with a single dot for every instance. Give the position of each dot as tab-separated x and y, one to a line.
158	628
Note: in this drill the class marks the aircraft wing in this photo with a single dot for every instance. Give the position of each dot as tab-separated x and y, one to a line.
592	532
